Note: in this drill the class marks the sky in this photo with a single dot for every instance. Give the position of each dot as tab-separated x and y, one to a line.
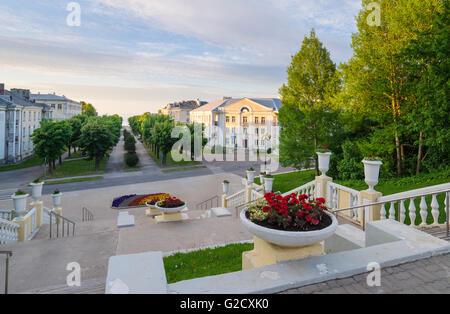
135	56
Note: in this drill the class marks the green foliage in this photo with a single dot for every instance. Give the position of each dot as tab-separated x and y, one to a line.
96	139
350	165
131	159
88	109
307	117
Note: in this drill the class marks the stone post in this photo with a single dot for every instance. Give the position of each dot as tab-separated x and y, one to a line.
21	231
371	212
39	213
321	186
248	192
224	201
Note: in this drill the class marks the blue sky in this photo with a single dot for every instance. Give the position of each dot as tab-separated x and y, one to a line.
132	56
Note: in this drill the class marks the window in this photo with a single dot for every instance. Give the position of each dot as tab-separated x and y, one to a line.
23	133
53	106
233	130
256	143
256	120
34	116
233	119
263	120
227	119
227	141
227	131
59	106
244	120
29	116
263	131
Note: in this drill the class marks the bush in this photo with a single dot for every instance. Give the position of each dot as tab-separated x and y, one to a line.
130	147
131	159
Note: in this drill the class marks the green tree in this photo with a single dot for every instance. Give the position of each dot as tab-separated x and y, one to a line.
88	109
427	60
50	140
376	77
163	137
307	117
96	139
75	124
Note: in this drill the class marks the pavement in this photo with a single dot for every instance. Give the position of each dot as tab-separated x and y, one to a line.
42	262
426	276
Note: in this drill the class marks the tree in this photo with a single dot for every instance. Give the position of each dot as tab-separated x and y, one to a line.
163	137
96	139
88	109
375	77
75	124
427	60
307	117
50	140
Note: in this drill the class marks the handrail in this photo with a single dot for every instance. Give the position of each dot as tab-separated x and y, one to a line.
86	214
8	255
216	198
64	222
447	204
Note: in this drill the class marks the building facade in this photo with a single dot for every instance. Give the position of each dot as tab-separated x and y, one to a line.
19	117
244	123
180	111
62	107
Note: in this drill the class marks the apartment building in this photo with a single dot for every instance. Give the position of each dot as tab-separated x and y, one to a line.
245	123
62	107
180	111
19	117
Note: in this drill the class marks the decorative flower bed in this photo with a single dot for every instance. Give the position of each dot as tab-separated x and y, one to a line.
289	213
134	200
171	205
291	221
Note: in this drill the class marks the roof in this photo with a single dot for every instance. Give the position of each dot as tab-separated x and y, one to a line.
47	97
272	103
18	100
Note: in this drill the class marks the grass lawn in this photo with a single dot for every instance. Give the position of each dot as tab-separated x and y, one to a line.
75	155
75	168
73	180
289	181
169	161
183	169
31	162
208	262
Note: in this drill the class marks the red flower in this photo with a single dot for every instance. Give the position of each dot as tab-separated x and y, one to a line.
320	200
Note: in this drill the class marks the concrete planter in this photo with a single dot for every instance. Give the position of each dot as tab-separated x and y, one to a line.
150	205
56	200
261	179
324	162
36	190
371	173
170	210
251	176
289	238
226	187
20	203
268	184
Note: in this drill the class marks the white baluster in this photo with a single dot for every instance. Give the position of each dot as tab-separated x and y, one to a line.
392	211
435	209
412	212
383	212
423	211
402	211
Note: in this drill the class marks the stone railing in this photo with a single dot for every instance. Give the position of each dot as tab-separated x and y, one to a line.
8	231
308	189
6	214
256	195
338	196
420	207
236	199
29	223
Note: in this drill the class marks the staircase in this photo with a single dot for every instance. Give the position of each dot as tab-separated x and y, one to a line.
91	286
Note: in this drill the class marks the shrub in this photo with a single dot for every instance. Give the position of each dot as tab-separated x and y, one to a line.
131	159
130	147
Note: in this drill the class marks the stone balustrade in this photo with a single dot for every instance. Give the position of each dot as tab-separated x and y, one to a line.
8	231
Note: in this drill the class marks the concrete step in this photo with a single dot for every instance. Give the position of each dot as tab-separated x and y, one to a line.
91	286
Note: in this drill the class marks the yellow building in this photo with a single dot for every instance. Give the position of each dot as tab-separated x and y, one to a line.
247	123
179	111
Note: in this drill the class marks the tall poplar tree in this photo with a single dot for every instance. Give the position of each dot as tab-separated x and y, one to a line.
307	117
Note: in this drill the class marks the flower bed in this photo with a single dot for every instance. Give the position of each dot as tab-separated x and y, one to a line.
134	200
289	213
